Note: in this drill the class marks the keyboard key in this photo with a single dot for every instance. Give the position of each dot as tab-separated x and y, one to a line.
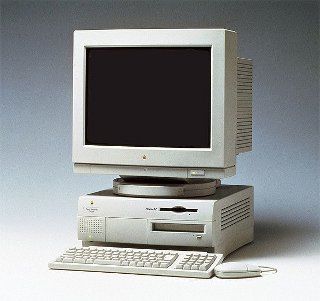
108	262
79	260
170	257
164	264
70	252
67	260
207	264
203	267
156	265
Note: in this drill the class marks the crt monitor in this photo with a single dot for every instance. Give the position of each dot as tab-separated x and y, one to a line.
155	102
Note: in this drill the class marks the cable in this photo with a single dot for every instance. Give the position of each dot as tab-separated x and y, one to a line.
267	270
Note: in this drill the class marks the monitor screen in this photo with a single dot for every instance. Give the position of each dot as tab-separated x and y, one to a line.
148	97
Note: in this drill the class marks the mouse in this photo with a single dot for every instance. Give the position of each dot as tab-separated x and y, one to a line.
237	270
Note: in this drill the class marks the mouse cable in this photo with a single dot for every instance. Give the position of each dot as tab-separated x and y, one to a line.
267	270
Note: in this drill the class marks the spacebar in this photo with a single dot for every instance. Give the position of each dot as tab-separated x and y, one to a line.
107	262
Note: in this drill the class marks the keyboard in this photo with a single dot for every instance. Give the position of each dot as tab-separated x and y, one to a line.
138	261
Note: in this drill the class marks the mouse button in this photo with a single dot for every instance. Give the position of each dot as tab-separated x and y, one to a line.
237	267
230	267
253	268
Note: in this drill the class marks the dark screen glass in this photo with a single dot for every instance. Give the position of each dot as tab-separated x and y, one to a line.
148	97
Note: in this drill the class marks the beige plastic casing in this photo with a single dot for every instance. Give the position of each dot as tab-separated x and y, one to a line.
218	161
222	222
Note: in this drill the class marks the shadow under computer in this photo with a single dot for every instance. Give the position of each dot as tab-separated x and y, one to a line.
277	239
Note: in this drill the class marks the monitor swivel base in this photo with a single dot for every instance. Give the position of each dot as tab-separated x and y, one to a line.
164	189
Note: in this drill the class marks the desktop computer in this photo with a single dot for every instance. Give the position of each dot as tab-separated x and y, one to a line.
168	110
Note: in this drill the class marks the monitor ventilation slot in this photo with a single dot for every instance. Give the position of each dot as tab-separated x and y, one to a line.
244	106
235	213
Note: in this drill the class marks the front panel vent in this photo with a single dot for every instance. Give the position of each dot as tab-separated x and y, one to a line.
91	225
91	228
244	106
235	213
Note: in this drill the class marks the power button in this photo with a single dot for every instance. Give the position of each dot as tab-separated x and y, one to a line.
197	173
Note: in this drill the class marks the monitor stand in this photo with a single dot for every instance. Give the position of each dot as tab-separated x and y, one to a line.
163	187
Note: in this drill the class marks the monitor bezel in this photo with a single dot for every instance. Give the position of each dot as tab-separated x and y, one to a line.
221	153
